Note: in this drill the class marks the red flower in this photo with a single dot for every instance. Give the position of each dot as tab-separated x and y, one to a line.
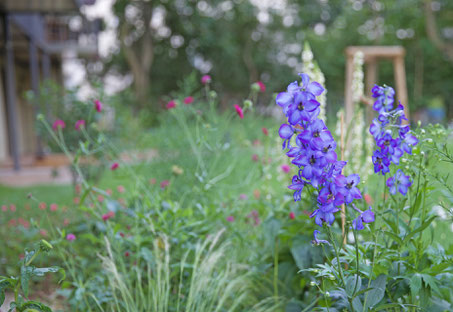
262	86
265	131
188	100
108	215
120	188
205	79
58	124
12	207
368	199
53	207
127	254
171	104
4	208
79	124
42	206
292	215
98	106
239	111
114	166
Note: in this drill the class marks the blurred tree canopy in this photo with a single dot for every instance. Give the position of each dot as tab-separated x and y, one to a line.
241	41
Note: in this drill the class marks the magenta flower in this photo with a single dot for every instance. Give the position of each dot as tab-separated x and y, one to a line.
188	100
230	219
243	196
171	104
265	131
79	124
114	166
58	124
292	215
255	157
164	184
108	215
98	106
262	86
205	79
70	237
286	168
239	111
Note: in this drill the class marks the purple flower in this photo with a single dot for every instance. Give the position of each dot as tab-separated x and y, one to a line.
317	241
365	217
399	181
303	108
349	189
297	186
381	162
314	151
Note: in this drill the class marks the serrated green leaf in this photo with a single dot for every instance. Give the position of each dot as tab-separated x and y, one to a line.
34	306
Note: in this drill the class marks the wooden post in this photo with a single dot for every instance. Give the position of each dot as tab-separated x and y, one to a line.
401	88
349	105
371	76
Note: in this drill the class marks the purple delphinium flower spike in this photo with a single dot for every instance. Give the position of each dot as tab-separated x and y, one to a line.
314	152
317	241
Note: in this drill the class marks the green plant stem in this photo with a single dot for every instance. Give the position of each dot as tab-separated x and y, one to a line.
276	268
356	243
340	270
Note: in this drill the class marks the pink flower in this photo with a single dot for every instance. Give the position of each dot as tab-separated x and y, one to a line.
53	207
205	79
66	222
265	131
12	222
286	168
188	100
109	192
12	207
262	86
58	124
43	232
243	196
164	184
42	206
120	188
152	181
24	223
239	111
114	166
98	106
255	157
70	237
292	215
76	200
4	208
79	124
230	219
100	198
171	104
108	215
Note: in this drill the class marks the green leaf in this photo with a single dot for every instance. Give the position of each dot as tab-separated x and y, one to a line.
357	304
353	284
393	236
415	284
419	229
25	274
431	282
34	306
388	305
376	295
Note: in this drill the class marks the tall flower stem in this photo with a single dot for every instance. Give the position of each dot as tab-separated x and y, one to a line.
276	268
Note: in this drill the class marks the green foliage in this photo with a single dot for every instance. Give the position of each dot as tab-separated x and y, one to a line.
21	282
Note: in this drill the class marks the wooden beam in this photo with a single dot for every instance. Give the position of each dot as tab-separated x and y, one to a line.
401	87
349	105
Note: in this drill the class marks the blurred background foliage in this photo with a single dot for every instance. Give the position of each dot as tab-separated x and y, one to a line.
242	41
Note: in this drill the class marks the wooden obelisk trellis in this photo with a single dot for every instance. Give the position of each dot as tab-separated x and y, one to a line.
372	55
